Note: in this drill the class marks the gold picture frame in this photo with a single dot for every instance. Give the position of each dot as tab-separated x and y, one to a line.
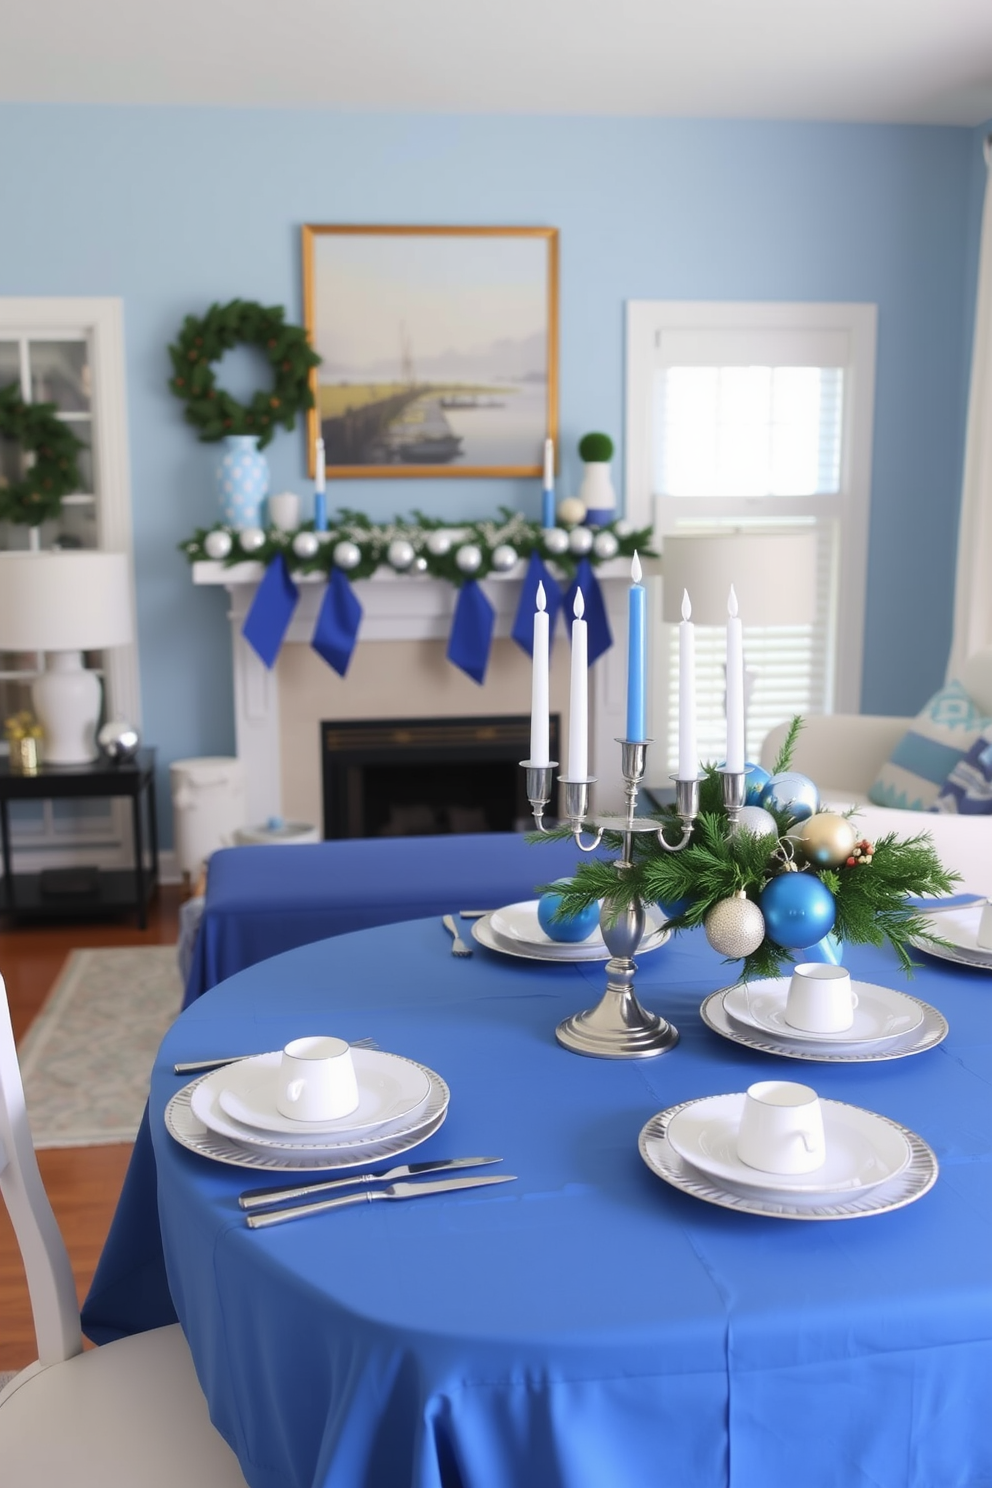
439	349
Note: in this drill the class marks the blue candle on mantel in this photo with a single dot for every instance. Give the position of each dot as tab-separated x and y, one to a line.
636	667
548	493
319	498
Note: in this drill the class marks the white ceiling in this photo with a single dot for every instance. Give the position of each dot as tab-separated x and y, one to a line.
899	61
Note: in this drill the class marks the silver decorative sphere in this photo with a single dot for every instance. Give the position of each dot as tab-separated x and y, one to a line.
218	544
792	793
347	554
556	540
571	511
400	553
623	528
735	927
504	557
605	545
580	541
119	740
469	558
252	538
306	545
419	564
758	821
439	543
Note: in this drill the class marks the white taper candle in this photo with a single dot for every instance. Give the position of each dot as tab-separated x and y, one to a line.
688	748
578	704
735	687
539	695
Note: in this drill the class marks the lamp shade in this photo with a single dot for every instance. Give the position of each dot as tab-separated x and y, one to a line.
773	574
64	601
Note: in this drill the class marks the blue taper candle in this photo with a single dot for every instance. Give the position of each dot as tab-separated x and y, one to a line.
548	492
636	663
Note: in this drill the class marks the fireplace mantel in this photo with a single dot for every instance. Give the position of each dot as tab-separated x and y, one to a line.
399	607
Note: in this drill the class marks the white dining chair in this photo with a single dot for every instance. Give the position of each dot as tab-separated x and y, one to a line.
128	1415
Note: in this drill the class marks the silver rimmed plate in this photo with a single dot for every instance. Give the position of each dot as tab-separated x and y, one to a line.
191	1133
960	927
881	1013
930	1032
916	1178
592	950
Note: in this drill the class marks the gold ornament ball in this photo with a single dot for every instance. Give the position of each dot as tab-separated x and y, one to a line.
827	839
735	927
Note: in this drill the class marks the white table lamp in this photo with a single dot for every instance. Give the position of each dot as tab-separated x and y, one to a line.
65	603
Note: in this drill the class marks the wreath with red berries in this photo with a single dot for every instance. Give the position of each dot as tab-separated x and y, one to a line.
54	473
204	339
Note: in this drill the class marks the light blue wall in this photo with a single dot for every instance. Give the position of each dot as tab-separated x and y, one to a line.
173	208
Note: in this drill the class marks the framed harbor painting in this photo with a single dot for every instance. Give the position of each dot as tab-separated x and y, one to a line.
438	346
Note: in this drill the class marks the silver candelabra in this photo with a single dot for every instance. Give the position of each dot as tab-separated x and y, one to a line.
618	1027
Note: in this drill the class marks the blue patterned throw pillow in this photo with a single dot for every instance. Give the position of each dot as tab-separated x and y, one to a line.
942	734
968	788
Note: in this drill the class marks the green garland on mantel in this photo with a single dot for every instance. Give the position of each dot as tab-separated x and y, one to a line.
38	430
373	539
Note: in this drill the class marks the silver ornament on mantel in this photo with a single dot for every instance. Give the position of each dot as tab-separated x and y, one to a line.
758	821
580	541
793	794
306	545
556	540
439	543
469	558
735	927
400	554
419	564
218	543
504	557
623	528
347	554
252	538
605	545
119	740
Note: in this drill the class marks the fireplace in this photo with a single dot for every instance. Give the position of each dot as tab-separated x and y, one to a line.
401	777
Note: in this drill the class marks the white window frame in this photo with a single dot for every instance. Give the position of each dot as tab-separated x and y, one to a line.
850	331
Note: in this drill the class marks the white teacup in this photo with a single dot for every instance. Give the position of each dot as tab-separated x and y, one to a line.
316	1080
985	928
821	998
284	511
781	1128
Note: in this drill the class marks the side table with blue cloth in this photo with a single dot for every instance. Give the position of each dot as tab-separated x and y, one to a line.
263	900
586	1326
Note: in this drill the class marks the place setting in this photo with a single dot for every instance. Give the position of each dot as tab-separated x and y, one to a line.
964	935
821	1014
781	1150
530	929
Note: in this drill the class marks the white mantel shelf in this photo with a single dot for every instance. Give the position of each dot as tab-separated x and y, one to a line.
406	607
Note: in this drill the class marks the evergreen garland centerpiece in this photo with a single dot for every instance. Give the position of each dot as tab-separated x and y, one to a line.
774	886
203	340
54	472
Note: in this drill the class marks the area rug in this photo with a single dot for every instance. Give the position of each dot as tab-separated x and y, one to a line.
87	1057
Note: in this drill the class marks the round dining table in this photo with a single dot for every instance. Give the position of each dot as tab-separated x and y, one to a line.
587	1325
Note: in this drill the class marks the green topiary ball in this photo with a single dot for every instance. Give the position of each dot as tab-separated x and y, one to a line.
596	447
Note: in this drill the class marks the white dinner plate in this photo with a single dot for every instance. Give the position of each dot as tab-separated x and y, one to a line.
389	1089
189	1131
529	940
960	928
881	1013
862	1149
932	1031
917	1178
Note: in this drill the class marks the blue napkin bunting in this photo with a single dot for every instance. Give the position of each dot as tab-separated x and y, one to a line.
472	632
523	624
267	621
599	636
340	615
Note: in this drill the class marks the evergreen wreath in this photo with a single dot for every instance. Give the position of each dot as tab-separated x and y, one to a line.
871	905
55	472
203	340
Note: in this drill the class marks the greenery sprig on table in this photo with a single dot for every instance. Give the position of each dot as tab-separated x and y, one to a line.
204	339
870	899
37	497
372	540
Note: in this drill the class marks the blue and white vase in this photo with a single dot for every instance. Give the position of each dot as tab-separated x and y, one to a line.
597	494
242	481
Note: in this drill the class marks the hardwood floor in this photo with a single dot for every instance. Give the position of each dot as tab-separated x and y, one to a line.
83	1183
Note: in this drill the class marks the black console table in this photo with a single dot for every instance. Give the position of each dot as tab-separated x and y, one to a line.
53	896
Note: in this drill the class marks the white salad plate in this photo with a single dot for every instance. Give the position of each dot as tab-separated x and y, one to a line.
911	1183
960	928
862	1149
932	1031
881	1013
389	1089
516	930
190	1132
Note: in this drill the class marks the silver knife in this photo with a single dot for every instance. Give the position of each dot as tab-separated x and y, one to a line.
394	1191
264	1198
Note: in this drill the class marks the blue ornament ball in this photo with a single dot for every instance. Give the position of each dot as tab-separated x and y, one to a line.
757	779
799	910
675	907
792	793
570	931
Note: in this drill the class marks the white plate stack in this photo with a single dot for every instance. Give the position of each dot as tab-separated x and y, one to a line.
960	927
516	931
231	1115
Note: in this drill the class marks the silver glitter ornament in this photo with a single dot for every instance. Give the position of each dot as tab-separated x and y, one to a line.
504	557
758	821
347	554
306	545
580	541
400	554
556	540
252	538
605	545
735	927
438	543
119	740
469	558
791	793
218	544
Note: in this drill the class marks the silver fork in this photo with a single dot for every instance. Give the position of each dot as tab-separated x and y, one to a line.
198	1066
458	946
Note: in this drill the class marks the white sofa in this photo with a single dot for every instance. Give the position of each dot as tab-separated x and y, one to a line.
843	753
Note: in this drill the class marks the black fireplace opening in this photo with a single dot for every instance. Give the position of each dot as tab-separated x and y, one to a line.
421	777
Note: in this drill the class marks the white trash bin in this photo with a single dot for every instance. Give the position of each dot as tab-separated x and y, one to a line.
276	833
208	808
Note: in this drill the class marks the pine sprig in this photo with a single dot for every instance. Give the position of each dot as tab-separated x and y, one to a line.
783	761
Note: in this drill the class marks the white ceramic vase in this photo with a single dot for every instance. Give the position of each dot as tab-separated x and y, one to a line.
597	494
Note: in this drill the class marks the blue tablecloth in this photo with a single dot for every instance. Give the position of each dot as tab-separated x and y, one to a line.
264	900
586	1326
